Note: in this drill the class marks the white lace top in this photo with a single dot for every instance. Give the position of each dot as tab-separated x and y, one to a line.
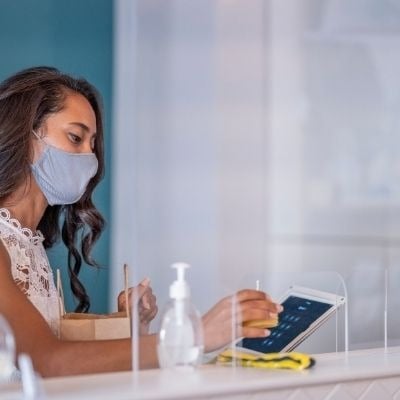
30	267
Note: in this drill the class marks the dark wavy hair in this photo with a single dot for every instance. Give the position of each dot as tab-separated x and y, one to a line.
26	100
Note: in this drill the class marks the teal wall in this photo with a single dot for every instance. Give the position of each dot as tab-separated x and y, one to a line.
76	37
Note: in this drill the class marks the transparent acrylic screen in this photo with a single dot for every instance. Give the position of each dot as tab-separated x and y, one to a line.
264	146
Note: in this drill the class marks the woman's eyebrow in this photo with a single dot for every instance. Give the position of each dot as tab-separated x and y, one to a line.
83	126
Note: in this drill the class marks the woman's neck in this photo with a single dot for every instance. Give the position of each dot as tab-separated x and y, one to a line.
27	204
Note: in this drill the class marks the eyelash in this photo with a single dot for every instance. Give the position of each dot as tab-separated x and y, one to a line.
75	138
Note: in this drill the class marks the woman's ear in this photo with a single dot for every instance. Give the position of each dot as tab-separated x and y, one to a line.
37	146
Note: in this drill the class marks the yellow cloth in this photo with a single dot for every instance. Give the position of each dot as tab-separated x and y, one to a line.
292	360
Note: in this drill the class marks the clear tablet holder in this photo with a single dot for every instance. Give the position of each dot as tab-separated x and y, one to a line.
331	336
368	319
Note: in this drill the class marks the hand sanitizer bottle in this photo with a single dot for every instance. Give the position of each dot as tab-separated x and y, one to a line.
7	351
180	341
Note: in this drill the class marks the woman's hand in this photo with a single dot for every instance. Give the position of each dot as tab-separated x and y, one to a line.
143	296
246	305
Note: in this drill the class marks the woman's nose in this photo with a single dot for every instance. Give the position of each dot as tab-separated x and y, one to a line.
87	147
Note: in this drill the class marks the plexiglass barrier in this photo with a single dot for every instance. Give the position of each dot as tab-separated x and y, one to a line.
256	158
393	301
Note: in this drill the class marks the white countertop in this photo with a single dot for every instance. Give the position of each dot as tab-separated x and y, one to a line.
219	381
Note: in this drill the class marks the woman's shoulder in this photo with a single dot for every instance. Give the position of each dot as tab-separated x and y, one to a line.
12	230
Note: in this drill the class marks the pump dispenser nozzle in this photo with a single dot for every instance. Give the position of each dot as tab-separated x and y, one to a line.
179	289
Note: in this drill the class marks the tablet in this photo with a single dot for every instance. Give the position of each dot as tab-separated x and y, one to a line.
304	310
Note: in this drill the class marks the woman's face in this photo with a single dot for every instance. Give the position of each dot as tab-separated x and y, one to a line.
73	129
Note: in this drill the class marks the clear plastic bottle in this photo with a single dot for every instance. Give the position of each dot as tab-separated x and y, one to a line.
180	341
7	350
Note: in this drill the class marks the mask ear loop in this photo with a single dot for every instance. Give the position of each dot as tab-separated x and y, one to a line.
36	135
44	143
40	138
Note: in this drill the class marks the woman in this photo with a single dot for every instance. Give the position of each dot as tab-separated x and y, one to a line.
51	159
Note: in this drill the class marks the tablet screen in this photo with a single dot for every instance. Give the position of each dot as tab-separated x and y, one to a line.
297	316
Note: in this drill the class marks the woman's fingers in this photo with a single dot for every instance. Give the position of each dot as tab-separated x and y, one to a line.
247	310
252	298
232	311
148	311
148	316
147	304
253	314
260	304
136	294
251	294
248	332
141	295
147	293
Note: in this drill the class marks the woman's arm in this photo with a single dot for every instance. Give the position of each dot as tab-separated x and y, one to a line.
54	357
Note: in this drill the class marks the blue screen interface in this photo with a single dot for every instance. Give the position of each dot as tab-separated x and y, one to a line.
297	315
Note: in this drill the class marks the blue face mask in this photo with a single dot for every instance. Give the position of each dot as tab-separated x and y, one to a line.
63	176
